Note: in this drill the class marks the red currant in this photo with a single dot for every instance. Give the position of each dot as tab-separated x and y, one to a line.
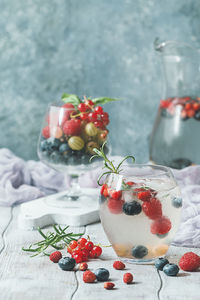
89	103
82	107
69	250
96	252
106	122
130	183
93	116
89	245
78	258
82	241
84	254
84	116
73	244
99	109
98	124
104	116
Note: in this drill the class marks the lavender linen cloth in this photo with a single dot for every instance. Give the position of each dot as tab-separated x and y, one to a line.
22	181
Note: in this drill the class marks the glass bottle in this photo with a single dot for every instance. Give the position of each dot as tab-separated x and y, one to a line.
175	138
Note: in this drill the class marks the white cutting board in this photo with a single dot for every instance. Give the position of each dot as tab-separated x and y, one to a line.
47	210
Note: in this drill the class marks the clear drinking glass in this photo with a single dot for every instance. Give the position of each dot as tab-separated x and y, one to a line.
66	144
174	141
140	211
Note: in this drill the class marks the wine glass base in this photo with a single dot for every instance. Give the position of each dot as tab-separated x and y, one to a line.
59	209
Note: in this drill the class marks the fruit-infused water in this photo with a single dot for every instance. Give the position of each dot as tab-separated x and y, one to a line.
140	212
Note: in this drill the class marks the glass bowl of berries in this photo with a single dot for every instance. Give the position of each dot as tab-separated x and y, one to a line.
71	130
140	209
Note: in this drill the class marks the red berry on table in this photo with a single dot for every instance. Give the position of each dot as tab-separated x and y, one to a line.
115	207
46	132
89	277
152	209
89	245
189	261
118	265
69	250
82	242
144	196
85	255
127	278
109	285
161	226
72	127
82	107
73	244
116	195
55	256
78	257
83	266
98	109
95	252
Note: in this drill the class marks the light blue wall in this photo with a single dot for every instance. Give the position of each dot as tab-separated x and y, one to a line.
97	48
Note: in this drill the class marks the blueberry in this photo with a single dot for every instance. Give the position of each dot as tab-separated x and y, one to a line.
67	263
102	274
162	236
160	263
44	145
85	159
132	208
63	148
171	269
55	157
53	144
139	251
177	202
72	160
197	115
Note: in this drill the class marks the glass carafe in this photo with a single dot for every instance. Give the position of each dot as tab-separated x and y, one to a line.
175	138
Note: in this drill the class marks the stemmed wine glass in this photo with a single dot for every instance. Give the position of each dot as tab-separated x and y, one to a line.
66	142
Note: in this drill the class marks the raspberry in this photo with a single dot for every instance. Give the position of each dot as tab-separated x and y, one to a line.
55	256
109	285
161	226
115	194
118	265
115	207
89	277
83	266
128	278
144	196
68	110
46	132
152	209
72	127
189	261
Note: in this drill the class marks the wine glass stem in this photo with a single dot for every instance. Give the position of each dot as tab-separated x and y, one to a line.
75	187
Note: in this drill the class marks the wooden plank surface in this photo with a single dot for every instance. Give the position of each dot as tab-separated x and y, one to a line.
22	277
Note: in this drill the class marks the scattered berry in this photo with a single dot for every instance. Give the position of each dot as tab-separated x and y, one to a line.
115	207
152	209
161	226
118	265
89	277
160	263
116	195
102	274
55	256
67	263
83	266
189	261
139	251
73	244
78	257
82	242
89	245
177	202
144	196
109	285
171	269
132	208
127	278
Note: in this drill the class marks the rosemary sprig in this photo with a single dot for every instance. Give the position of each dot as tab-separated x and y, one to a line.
109	163
52	239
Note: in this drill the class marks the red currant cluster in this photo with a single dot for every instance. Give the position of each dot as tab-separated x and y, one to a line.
83	249
96	115
189	108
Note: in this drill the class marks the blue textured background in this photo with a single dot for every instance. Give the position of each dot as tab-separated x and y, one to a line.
97	48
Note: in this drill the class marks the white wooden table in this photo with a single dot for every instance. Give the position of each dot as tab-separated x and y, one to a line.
22	277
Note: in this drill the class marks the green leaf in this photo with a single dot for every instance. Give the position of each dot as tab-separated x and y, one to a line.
103	100
71	98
